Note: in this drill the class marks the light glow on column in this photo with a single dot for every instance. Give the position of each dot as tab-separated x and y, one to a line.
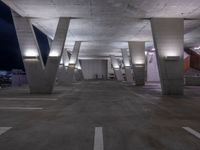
31	53
114	62
150	53
78	66
116	67
127	64
61	61
125	58
54	54
139	61
170	53
66	63
72	61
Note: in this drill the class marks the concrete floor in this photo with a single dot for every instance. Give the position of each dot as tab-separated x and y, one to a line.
133	118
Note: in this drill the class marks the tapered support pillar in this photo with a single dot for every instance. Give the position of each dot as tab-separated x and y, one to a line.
72	63
117	70
127	65
40	78
78	71
137	53
62	71
49	41
168	35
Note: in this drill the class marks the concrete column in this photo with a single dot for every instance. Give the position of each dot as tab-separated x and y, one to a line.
72	63
78	71
116	68
152	68
168	35
137	53
62	71
49	42
127	65
40	78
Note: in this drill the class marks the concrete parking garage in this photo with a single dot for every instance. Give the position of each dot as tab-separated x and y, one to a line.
117	75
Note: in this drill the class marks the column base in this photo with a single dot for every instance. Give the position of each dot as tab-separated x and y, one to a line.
173	87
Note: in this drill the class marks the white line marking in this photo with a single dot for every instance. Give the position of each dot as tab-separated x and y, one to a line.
26	99
98	139
4	129
21	108
191	131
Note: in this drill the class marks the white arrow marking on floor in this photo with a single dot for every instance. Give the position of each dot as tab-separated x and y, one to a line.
4	129
98	139
193	132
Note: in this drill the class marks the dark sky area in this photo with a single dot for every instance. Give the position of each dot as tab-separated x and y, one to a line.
10	57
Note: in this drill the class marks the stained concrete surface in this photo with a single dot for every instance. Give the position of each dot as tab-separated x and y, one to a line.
133	118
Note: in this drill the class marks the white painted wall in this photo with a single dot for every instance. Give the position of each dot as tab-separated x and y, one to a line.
91	68
152	68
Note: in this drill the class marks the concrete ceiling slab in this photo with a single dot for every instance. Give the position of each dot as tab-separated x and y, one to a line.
105	26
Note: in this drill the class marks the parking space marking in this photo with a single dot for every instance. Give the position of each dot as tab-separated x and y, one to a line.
26	99
98	139
4	129
21	108
191	131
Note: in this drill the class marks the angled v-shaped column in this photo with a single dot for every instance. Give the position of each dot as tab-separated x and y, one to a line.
127	65
40	78
72	63
62	71
137	53
168	35
117	70
78	71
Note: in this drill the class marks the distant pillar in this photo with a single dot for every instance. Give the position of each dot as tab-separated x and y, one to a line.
168	35
137	53
72	63
78	71
62	71
41	78
117	70
152	67
127	65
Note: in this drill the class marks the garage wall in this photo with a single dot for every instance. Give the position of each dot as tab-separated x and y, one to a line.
93	68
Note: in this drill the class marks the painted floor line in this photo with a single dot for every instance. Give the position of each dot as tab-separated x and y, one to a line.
21	108
28	99
98	139
191	131
4	129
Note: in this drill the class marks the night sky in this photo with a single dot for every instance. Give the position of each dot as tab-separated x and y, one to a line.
10	57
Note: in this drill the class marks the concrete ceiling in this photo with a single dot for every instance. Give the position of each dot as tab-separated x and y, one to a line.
105	26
